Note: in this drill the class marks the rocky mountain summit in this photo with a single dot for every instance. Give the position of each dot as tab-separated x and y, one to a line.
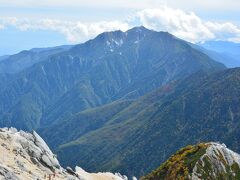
202	161
26	156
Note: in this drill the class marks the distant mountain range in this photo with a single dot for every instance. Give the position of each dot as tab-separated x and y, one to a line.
225	52
24	59
112	66
123	101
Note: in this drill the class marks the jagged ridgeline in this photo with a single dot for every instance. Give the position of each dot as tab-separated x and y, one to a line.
202	161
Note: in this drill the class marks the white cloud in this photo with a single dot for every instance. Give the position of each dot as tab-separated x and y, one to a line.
185	25
2	26
74	31
224	31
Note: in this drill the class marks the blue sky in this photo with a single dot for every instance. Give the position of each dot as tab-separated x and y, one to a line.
29	23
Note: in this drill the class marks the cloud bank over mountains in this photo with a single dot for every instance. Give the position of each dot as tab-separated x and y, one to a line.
185	25
74	31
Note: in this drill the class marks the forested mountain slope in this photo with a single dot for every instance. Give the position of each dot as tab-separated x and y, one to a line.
202	107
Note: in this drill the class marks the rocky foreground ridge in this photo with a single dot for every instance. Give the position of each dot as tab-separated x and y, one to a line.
26	156
205	161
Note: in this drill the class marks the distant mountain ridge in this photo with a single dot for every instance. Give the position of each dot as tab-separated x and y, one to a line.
225	52
112	66
15	63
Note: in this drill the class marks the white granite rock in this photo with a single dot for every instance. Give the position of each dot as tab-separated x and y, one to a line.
26	156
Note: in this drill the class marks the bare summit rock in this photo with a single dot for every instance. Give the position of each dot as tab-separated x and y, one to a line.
26	156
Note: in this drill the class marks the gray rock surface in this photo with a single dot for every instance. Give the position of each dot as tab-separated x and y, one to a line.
8	175
26	156
218	161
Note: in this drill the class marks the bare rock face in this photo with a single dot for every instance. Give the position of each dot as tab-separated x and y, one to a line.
4	172
26	156
218	162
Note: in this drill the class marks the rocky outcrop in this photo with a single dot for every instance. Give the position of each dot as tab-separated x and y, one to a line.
26	156
203	161
218	162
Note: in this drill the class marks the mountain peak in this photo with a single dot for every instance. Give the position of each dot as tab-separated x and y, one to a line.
110	35
139	29
143	29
